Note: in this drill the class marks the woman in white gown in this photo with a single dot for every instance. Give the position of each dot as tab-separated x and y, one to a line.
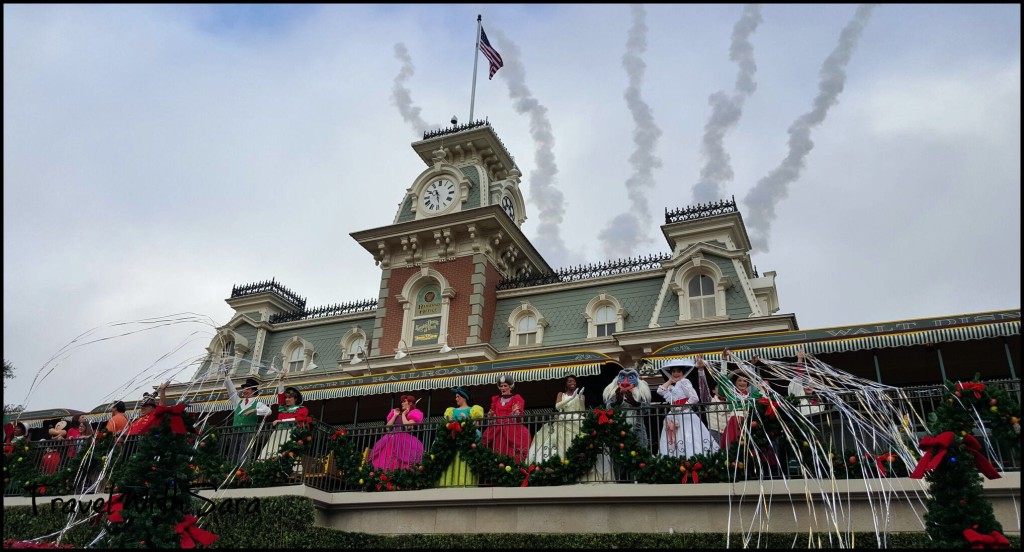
555	437
683	434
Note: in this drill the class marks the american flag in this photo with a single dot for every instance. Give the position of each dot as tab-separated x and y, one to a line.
490	53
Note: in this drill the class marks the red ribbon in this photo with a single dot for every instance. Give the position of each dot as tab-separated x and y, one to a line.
175	412
936	449
526	480
190	534
995	539
455	427
980	460
887	457
693	473
769	406
604	416
973	386
113	508
683	400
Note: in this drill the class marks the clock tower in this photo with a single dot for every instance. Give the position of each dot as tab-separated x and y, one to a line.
456	235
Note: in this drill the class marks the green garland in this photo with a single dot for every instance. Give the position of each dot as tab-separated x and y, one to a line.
956	500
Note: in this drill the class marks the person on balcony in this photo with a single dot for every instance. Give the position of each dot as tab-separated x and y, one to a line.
399	448
118	421
246	414
149	404
683	434
20	433
458	473
289	412
554	438
629	391
506	436
740	396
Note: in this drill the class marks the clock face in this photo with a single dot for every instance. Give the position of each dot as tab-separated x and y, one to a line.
438	195
509	207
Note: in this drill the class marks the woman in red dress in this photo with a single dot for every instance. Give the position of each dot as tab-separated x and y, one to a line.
505	435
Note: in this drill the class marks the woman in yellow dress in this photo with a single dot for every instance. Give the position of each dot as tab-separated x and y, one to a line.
458	474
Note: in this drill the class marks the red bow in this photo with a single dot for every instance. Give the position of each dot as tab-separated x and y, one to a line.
190	534
113	508
175	412
976	387
603	416
693	472
995	539
683	400
526	481
769	406
455	427
933	456
980	460
887	457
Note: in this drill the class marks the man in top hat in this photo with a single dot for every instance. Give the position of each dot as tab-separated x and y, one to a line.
247	409
246	416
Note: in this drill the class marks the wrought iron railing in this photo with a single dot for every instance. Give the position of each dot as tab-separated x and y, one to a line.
325	312
586	272
242	445
271	286
701	210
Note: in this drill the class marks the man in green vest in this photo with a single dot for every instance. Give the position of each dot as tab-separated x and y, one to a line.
247	411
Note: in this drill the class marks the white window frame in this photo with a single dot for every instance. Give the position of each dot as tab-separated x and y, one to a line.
219	341
289	348
349	342
407	299
522	311
596	304
697	266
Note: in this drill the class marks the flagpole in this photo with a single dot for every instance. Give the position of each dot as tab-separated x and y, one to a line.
476	57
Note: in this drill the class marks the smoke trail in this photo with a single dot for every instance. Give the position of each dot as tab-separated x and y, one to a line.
543	193
624	232
401	97
726	110
762	198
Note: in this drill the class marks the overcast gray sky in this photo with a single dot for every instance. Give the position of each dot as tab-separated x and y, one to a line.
154	156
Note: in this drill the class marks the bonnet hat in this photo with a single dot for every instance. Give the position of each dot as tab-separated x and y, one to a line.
681	363
462	392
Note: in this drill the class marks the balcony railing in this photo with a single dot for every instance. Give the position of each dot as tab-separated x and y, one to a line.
541	433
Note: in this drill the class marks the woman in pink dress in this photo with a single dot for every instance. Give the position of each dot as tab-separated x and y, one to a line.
399	448
505	436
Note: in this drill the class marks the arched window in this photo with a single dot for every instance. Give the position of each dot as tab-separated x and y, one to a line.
605	321
353	342
604	315
226	348
228	354
426	318
426	298
298	354
526	330
700	286
701	292
526	326
297	358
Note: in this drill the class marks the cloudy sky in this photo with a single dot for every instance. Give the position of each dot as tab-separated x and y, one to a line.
154	156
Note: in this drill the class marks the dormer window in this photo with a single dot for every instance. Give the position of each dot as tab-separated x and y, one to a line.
701	292
604	316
